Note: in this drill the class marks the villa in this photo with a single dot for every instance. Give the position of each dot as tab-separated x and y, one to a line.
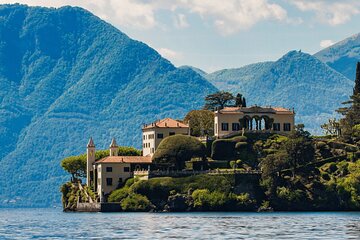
155	132
231	120
109	173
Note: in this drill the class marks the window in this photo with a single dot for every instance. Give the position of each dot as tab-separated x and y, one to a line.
216	130
151	136
276	126
224	127
171	133
109	169
235	126
120	180
109	181
287	127
160	135
152	150
144	137
126	169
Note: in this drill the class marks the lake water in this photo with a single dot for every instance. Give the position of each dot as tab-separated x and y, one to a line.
54	224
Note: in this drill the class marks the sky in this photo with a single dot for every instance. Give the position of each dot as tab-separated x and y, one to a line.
218	34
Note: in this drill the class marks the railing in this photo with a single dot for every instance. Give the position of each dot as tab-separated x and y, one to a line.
175	173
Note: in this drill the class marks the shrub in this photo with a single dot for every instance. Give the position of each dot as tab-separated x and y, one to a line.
223	149
118	194
241	145
175	150
321	145
239	139
136	203
218	164
233	164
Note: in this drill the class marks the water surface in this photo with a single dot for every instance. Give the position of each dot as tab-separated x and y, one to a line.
54	224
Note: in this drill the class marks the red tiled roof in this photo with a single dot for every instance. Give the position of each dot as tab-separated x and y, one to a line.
125	159
166	123
256	109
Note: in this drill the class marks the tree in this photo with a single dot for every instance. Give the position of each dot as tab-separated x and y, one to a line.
240	100
128	151
299	148
351	111
75	165
175	150
201	122
332	127
218	100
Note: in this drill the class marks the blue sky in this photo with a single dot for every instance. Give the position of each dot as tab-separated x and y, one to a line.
217	34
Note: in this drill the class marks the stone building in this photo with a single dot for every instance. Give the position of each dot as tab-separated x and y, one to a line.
107	174
155	132
256	119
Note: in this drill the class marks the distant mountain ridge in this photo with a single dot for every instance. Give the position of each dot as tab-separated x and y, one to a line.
66	75
297	80
342	56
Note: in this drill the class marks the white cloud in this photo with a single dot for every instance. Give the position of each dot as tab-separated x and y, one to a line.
228	16
180	21
331	12
234	15
170	54
326	43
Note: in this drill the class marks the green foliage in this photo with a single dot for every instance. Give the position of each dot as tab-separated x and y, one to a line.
119	194
75	165
201	122
223	149
128	151
218	164
136	203
203	199
175	150
219	100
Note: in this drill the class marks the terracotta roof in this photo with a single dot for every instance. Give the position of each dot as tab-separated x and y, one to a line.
166	123
256	109
125	159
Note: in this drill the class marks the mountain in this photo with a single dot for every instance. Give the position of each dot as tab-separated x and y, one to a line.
229	79
297	80
342	56
66	75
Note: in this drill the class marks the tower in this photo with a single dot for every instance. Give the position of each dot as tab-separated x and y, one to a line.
113	148
90	159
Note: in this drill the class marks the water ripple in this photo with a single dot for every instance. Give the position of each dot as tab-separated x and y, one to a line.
54	224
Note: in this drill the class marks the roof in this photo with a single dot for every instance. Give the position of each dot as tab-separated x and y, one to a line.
166	123
125	159
256	109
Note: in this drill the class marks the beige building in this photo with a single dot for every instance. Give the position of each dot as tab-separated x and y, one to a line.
155	132
236	119
108	173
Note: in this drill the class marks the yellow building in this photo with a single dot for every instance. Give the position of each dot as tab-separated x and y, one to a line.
258	119
108	173
155	132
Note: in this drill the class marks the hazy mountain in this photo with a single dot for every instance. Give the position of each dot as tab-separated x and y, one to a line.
342	56
66	75
296	80
229	79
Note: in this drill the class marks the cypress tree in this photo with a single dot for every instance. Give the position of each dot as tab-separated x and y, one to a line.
357	80
244	102
352	111
239	100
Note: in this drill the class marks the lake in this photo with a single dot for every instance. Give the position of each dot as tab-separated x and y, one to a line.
54	224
